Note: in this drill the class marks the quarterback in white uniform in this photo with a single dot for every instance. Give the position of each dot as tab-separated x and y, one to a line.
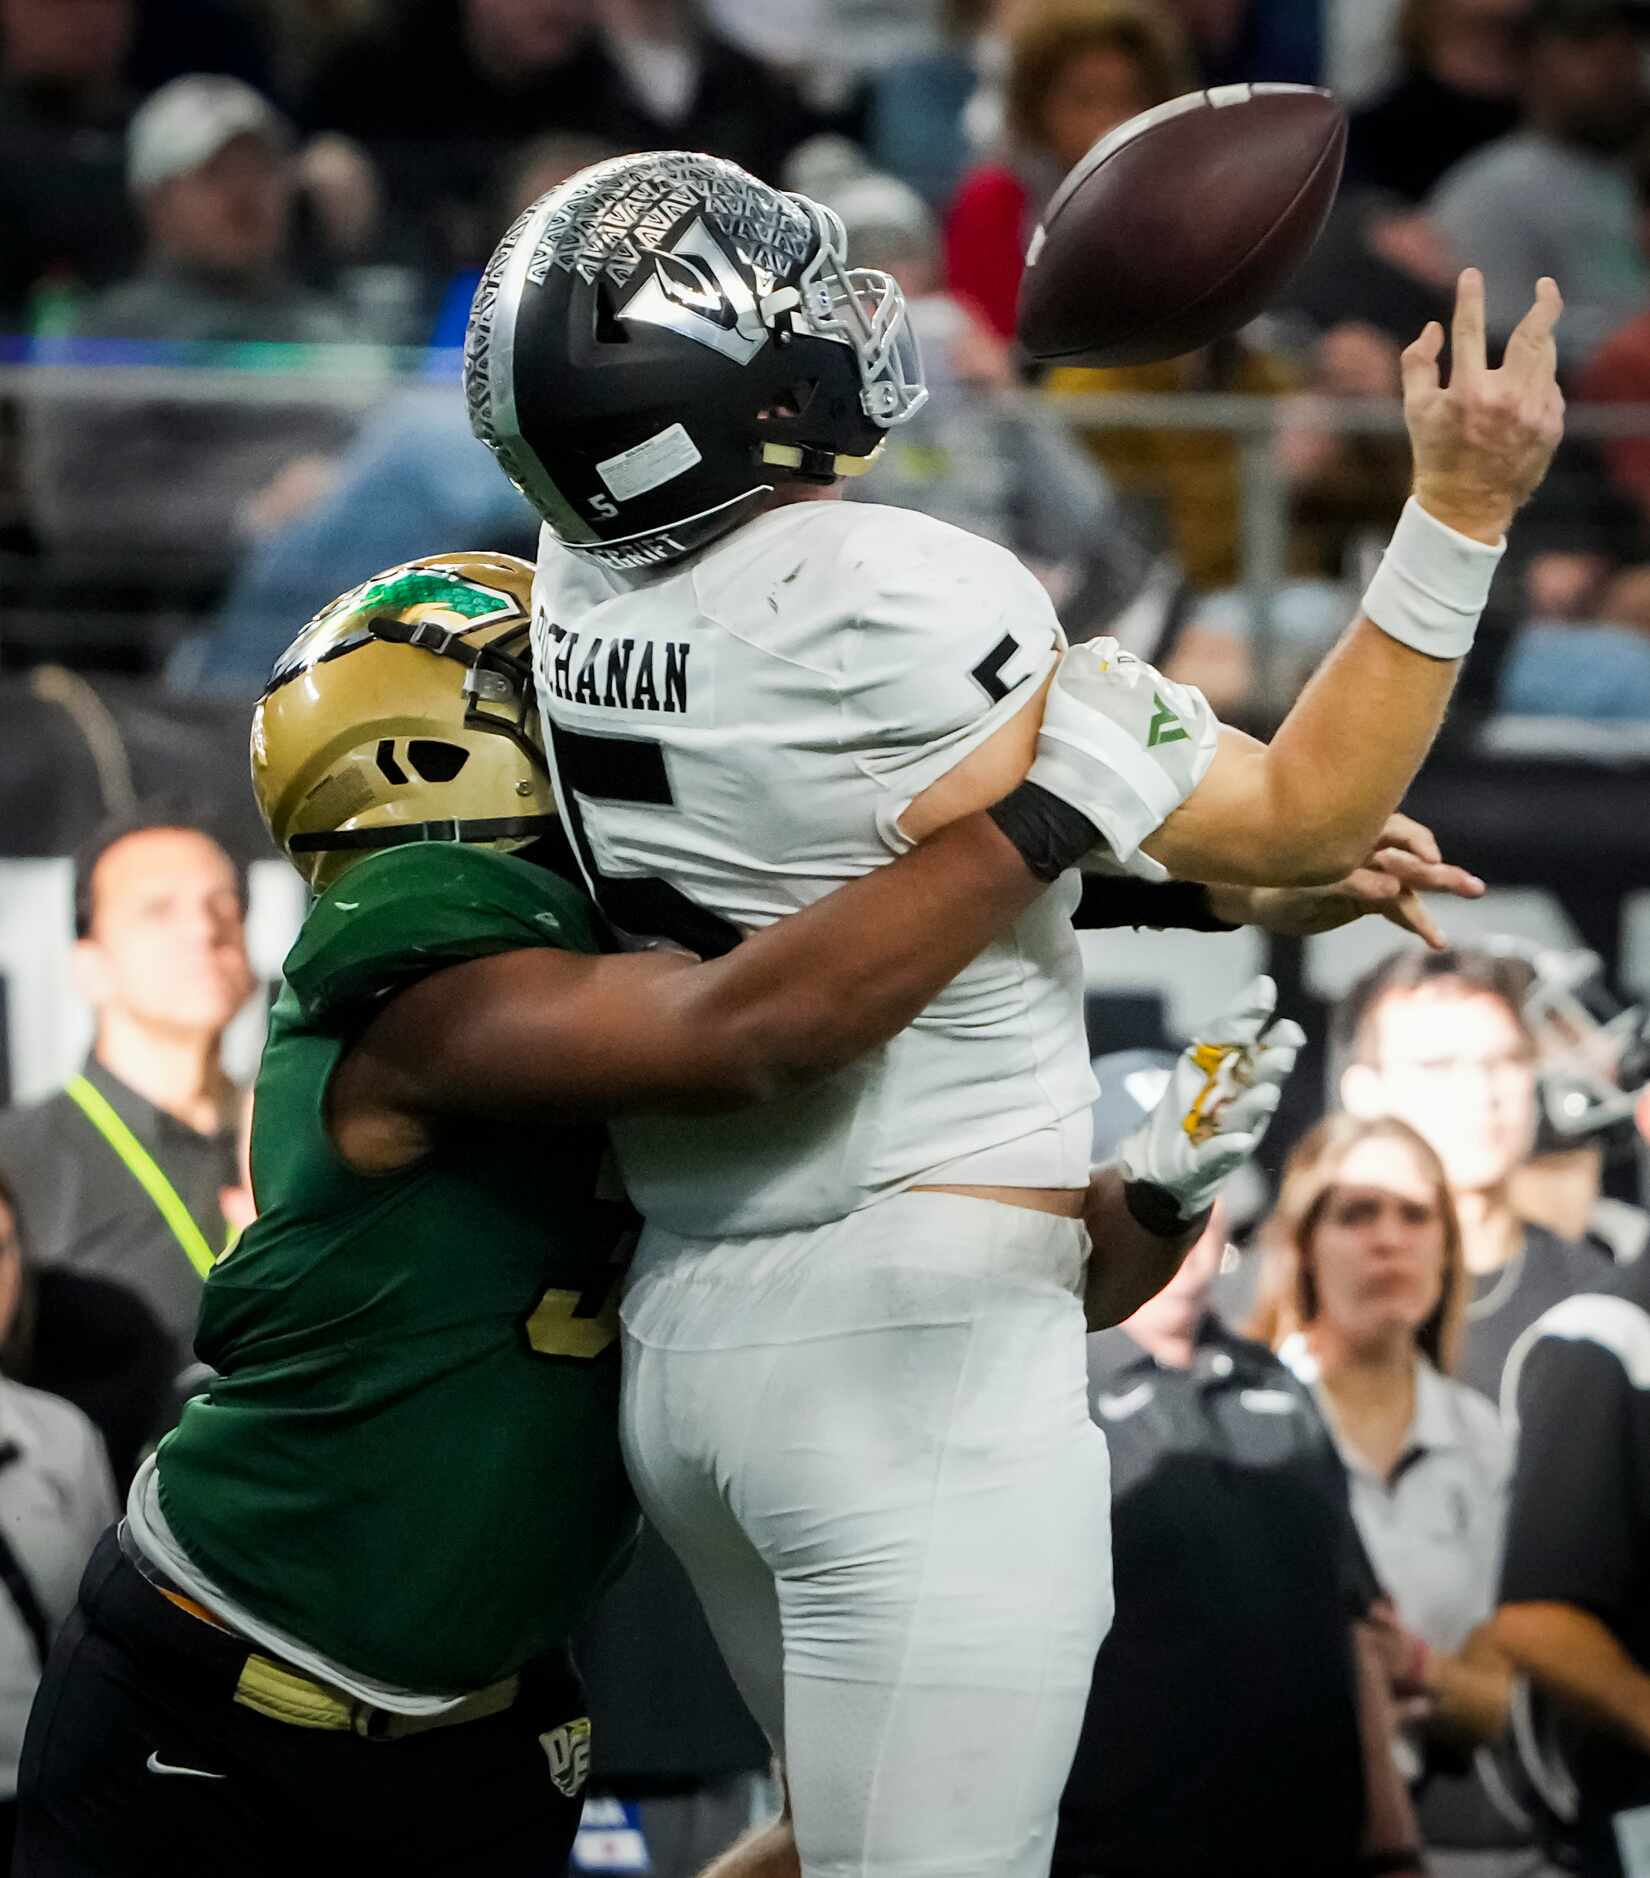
854	1367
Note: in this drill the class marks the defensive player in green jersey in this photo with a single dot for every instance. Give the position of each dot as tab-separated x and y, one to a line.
331	1631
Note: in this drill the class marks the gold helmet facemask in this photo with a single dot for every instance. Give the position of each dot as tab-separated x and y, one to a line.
405	712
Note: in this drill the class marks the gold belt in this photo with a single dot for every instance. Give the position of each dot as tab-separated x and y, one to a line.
284	1694
281	1693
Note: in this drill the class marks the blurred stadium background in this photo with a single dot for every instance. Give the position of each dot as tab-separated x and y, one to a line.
237	244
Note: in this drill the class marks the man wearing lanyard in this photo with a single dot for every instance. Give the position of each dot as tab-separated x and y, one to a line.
118	1174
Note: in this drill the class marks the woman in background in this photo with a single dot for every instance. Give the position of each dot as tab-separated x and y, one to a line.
1362	1296
1077	69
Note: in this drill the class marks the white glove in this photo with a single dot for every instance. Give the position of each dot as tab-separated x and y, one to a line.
1222	1095
1124	746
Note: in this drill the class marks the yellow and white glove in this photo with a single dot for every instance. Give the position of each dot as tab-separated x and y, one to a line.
1222	1095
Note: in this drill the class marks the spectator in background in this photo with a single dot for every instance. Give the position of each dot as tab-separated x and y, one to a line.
1188	482
1346	490
1439	1040
1077	69
1457	89
1593	1064
1363	1298
524	176
1234	41
91	1341
1238	1722
440	91
1583	649
119	1174
411	484
208	162
972	456
65	98
1575	1584
683	87
1619	371
414	481
1555	196
916	127
56	1496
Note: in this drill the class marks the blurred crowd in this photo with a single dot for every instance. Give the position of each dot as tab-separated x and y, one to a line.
1380	1529
292	194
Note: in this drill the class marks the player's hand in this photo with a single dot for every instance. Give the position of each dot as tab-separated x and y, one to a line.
1220	1101
1405	864
1482	443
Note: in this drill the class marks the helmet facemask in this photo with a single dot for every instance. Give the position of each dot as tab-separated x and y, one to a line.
863	308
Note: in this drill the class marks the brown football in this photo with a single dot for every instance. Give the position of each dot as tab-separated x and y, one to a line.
1181	225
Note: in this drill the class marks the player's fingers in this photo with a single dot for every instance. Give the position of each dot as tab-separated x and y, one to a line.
1251	1112
1418	362
1410	912
1243	1022
1285	1034
1404	832
1532	353
1371	885
1273	1066
1467	354
1225	1154
1405	870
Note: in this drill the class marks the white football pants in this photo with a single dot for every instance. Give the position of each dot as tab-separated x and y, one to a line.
869	1444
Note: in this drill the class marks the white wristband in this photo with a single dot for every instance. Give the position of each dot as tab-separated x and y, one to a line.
1432	585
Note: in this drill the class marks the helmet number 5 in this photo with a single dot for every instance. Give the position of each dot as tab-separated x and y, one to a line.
604	506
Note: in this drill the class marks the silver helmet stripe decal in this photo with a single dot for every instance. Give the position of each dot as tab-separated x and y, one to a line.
501	383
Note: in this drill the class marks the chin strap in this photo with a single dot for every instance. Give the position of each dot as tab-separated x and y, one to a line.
807	461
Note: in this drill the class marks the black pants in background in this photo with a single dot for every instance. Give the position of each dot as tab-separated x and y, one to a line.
136	1689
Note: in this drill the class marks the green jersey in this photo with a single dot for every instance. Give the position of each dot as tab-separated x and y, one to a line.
409	1458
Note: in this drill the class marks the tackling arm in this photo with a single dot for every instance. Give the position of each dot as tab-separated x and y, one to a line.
1129	1264
565	1034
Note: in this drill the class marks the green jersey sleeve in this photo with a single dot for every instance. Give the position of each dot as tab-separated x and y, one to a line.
398	916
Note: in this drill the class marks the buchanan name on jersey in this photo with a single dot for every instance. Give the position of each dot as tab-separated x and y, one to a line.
735	736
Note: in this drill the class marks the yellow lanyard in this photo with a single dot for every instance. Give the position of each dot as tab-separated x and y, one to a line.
140	1164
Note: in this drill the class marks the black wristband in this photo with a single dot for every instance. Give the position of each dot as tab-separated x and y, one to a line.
1050	834
1111	900
1157	1210
1377	1864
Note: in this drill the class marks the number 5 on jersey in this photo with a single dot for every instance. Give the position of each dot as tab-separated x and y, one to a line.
564	1324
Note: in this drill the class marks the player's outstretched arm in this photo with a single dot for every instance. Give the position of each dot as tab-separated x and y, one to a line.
565	1034
1307	808
1145	1212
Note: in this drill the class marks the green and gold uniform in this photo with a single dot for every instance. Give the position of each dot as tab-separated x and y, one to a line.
409	1457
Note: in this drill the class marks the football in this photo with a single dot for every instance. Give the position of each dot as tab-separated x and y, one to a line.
1181	225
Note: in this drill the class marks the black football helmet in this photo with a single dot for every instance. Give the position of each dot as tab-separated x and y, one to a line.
662	339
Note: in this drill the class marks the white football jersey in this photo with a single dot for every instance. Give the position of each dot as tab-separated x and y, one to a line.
733	738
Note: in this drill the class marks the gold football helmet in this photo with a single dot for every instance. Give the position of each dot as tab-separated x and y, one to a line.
404	711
